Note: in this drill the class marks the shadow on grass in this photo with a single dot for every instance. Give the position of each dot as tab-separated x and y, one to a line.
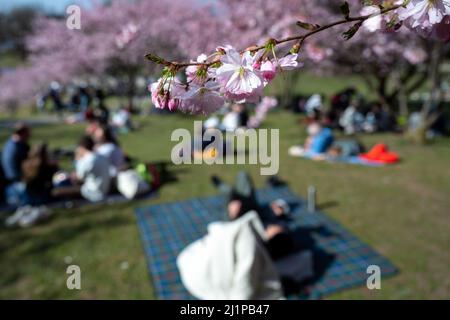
326	205
56	235
22	251
67	233
304	240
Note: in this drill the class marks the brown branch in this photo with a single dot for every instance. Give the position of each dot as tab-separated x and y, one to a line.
298	38
418	83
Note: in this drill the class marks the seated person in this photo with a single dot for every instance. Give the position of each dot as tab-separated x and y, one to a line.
230	262
235	259
106	145
212	145
38	171
87	115
91	179
314	104
318	141
236	118
372	119
242	199
15	151
92	125
122	120
279	242
352	119
3	184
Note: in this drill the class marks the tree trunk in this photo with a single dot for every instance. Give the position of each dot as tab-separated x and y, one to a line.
435	91
131	91
289	85
401	96
379	87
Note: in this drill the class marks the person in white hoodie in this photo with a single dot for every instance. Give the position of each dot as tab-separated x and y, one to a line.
240	258
107	145
231	263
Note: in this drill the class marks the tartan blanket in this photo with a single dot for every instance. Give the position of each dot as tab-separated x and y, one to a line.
340	259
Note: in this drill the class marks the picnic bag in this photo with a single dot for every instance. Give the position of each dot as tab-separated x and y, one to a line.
130	184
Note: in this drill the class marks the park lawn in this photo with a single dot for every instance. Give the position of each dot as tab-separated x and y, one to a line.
402	211
10	60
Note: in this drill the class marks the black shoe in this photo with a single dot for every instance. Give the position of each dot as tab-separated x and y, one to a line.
274	181
215	180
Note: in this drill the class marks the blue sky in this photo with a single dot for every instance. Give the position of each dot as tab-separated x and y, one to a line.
48	5
54	6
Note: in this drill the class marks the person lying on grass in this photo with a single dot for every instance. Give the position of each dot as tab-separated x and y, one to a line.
321	145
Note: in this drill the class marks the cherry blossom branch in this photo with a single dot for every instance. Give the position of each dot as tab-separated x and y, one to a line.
274	42
233	76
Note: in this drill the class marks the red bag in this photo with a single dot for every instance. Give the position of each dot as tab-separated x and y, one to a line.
380	153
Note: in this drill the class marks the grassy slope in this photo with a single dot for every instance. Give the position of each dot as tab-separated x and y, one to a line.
402	211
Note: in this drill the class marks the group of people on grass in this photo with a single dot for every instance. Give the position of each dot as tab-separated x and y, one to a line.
73	98
32	177
233	116
349	113
85	103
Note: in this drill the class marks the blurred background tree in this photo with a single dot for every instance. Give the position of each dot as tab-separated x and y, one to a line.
15	26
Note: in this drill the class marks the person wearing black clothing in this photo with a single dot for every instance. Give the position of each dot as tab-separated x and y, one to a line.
14	152
241	198
38	171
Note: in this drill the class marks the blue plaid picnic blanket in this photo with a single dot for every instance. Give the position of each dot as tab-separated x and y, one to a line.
340	259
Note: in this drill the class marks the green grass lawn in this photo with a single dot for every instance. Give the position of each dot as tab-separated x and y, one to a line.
402	211
10	60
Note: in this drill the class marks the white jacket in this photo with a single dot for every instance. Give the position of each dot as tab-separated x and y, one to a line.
230	262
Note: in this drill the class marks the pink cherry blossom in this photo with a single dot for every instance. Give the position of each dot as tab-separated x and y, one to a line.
127	34
374	23
423	14
251	97
191	71
415	55
238	77
266	104
179	29
289	62
165	93
268	70
317	53
203	99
